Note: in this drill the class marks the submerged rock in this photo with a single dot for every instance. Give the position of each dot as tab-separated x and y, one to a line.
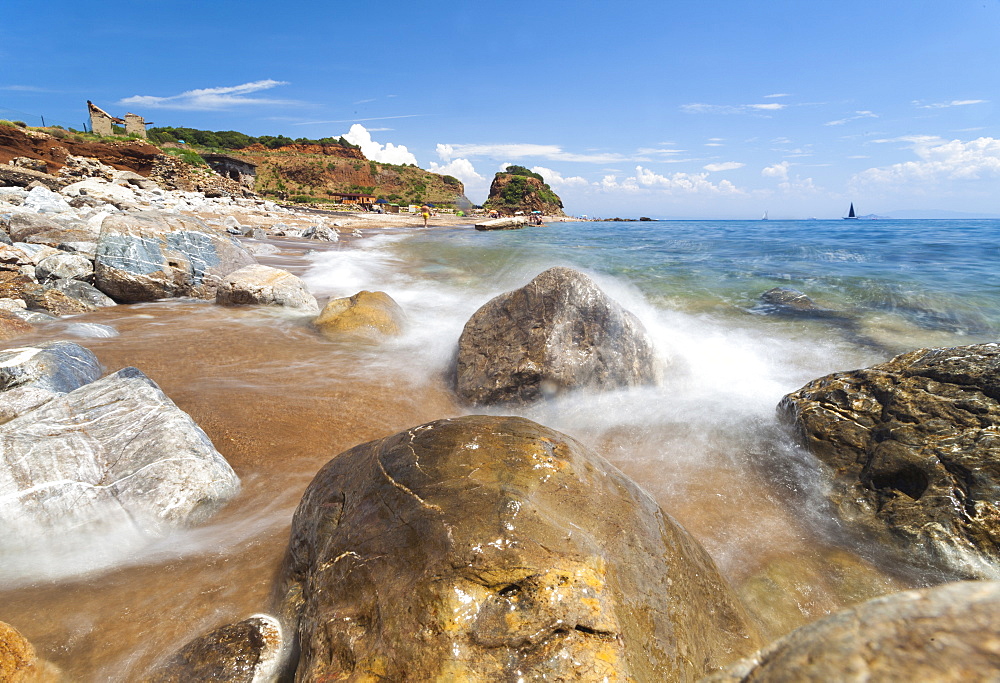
945	633
493	548
914	446
265	286
115	455
366	312
148	255
558	332
245	652
787	301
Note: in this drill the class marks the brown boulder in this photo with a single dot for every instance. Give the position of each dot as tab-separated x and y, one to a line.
945	633
365	312
558	332
12	326
493	548
244	652
914	448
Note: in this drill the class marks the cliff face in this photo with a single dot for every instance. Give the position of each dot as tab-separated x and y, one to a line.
318	171
510	193
55	146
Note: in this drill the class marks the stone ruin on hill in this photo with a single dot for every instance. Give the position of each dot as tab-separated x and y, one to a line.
101	122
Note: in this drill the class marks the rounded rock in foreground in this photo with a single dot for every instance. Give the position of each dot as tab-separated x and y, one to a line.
265	286
559	332
945	633
492	548
366	312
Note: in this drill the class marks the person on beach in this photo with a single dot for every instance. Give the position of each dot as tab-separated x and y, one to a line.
425	211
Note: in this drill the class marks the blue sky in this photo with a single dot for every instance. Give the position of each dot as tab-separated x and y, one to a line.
666	109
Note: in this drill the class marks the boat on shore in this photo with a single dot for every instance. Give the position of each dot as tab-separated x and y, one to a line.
850	214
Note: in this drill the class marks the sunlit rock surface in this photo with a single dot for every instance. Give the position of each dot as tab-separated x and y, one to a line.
371	313
493	548
946	633
18	661
914	446
265	286
246	652
558	332
115	455
149	255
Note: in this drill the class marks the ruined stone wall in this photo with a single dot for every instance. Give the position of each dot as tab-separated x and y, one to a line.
135	125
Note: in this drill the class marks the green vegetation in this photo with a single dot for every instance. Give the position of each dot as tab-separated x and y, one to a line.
188	155
5	122
518	189
231	139
522	171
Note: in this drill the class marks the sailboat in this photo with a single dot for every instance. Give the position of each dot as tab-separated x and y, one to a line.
850	214
764	218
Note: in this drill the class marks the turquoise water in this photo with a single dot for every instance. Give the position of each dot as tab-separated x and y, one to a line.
938	275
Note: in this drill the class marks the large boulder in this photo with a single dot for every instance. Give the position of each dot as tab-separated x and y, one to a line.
148	255
558	332
945	633
265	286
64	266
115	456
914	449
245	652
493	548
374	313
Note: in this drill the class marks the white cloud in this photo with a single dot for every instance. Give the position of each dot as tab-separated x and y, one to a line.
522	150
702	108
945	105
460	168
725	166
209	98
677	183
777	94
387	154
556	179
857	115
779	170
938	160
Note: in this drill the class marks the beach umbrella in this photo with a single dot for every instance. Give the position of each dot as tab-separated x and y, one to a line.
536	212
381	201
429	204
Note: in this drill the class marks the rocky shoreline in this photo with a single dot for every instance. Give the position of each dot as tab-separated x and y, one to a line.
476	547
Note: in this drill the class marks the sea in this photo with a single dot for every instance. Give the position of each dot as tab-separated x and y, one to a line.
279	400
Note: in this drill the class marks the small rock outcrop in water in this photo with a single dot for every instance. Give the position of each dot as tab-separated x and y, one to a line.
945	633
58	366
786	301
145	256
914	445
246	652
366	312
558	332
265	286
113	455
492	548
512	223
